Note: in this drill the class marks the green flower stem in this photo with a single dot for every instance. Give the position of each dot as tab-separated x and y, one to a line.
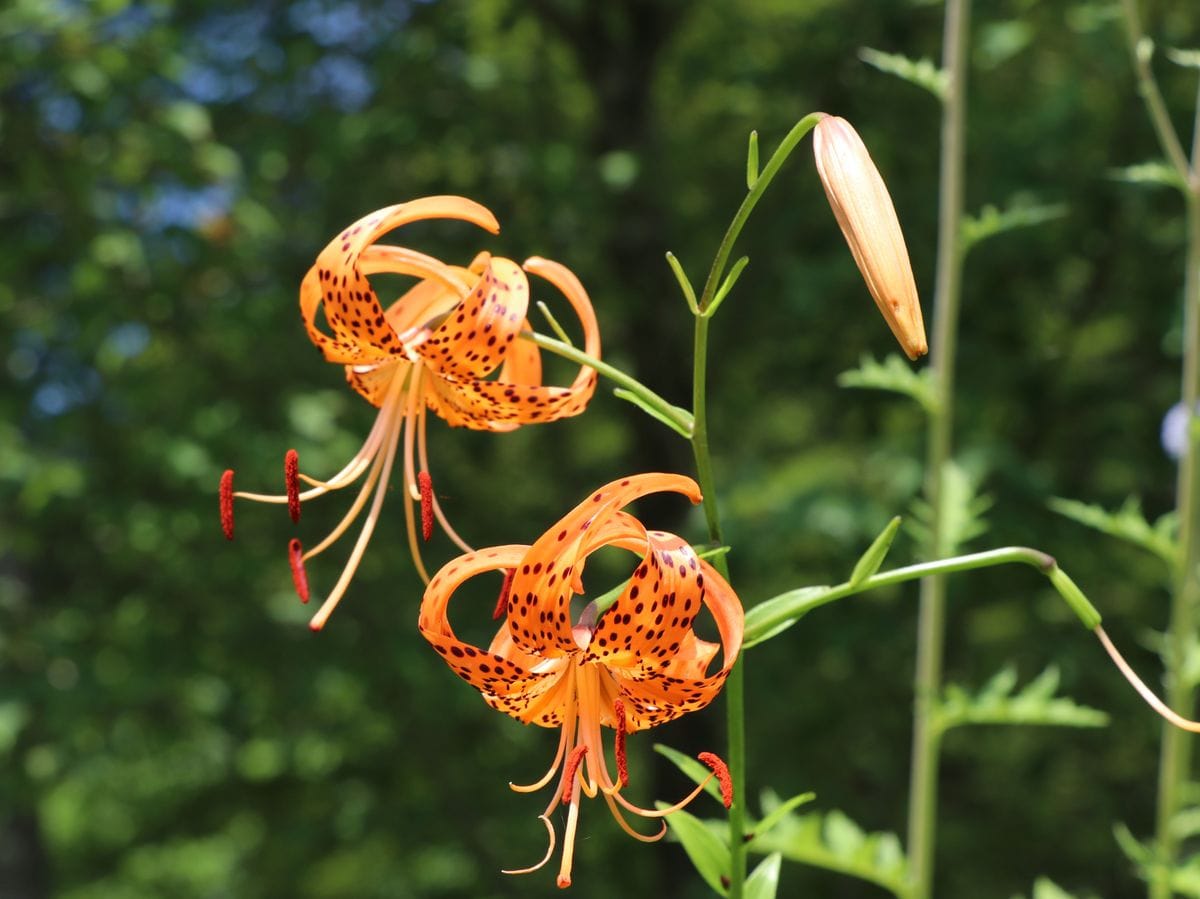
679	419
1175	759
735	685
931	622
715	274
806	600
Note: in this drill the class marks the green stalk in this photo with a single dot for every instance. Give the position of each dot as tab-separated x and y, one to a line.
931	626
1175	759
735	685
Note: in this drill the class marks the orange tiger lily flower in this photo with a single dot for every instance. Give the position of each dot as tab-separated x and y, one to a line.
448	345
639	665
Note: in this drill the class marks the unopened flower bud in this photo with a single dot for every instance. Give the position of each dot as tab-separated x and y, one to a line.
864	212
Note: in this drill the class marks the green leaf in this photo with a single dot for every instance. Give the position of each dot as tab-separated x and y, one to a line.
752	161
921	72
996	703
763	881
697	771
892	374
631	397
795	604
961	518
709	855
832	841
778	811
726	286
1127	523
1188	58
991	221
1155	173
870	561
1044	888
685	285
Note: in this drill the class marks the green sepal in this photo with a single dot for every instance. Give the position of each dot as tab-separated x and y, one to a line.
1079	603
870	561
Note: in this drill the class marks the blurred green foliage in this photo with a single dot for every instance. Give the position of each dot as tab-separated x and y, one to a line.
168	725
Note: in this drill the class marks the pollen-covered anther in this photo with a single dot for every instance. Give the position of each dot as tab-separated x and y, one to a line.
571	769
226	493
291	479
502	600
619	743
721	771
425	486
299	578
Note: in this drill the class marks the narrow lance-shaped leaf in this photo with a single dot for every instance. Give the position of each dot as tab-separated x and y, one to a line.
924	73
763	882
709	855
875	554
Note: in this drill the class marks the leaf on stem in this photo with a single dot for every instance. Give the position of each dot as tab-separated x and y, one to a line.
1155	173
1044	888
1128	523
991	221
763	882
631	397
922	72
961	516
752	161
709	854
1188	58
832	841
697	771
893	374
726	286
794	604
689	293
996	703
870	561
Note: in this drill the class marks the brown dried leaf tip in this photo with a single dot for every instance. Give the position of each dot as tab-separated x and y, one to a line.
864	211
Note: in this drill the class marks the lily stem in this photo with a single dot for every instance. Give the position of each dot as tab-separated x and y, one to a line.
931	623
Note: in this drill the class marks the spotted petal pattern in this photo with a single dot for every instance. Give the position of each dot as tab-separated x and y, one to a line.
644	645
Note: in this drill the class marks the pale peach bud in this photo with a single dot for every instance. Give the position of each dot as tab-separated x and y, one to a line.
864	212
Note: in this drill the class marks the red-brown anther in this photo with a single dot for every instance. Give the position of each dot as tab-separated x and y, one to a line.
227	503
291	478
570	770
722	772
502	600
425	485
622	762
299	578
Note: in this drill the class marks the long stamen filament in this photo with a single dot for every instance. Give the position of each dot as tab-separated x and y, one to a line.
574	784
423	458
545	819
318	620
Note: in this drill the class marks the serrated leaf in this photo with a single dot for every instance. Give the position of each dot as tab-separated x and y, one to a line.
763	881
697	771
1128	523
893	374
1154	173
961	515
870	561
833	841
991	221
996	703
921	72
792	605
709	855
1188	58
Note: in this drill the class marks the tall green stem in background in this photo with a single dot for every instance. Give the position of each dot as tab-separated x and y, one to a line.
1175	761
922	813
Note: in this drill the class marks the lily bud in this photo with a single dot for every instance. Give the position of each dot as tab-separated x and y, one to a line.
864	212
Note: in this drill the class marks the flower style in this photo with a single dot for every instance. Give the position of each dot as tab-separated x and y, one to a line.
639	665
449	344
865	213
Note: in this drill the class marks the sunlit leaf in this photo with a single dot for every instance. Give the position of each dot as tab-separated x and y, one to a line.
997	703
1154	173
990	220
709	855
1189	58
763	881
961	519
1128	522
894	374
870	561
921	72
792	605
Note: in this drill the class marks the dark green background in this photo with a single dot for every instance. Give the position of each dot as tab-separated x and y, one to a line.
168	725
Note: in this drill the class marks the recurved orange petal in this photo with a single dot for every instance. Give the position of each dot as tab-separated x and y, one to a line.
337	283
